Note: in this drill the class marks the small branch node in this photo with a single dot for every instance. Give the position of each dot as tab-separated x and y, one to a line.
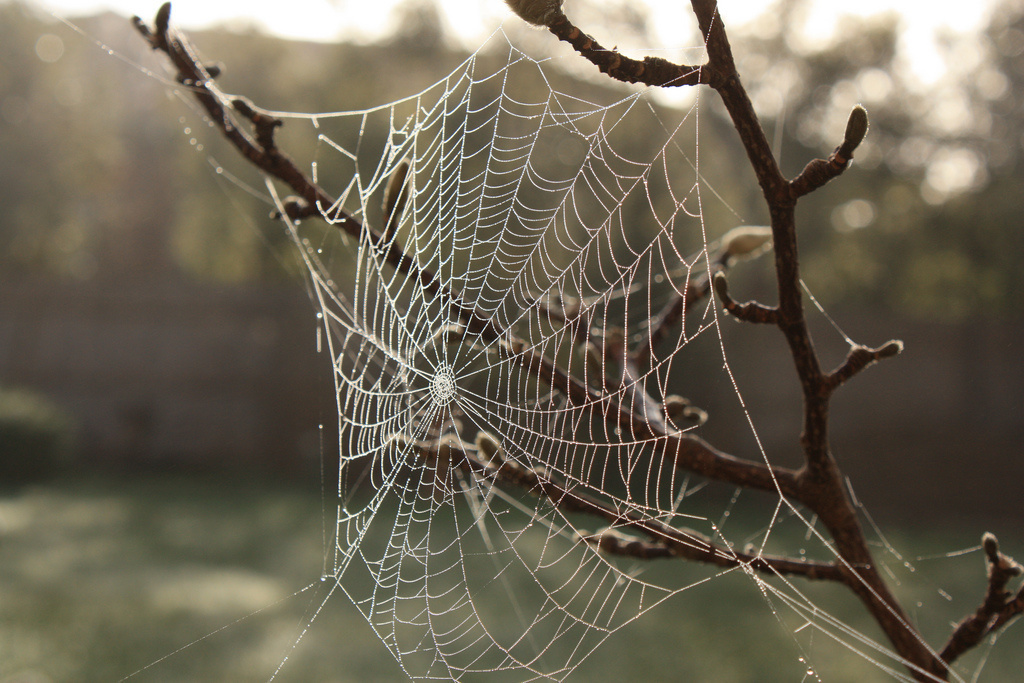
998	608
489	448
654	71
679	411
820	171
858	359
856	129
163	21
214	69
613	542
991	546
750	311
536	12
295	208
263	124
744	243
143	29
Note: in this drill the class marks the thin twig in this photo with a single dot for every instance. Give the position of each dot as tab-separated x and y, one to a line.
996	610
750	312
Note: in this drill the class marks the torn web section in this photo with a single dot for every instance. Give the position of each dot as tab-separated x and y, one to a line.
495	429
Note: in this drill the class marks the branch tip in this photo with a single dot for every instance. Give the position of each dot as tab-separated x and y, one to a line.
243	106
891	348
991	545
856	128
163	19
680	411
745	242
721	285
489	447
751	311
859	358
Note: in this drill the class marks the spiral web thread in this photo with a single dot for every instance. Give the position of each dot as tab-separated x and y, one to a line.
526	203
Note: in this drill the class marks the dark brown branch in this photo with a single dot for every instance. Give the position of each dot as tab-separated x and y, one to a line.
263	123
649	71
996	610
686	451
666	540
820	481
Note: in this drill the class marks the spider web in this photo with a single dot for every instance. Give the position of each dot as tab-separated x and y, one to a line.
521	200
530	207
458	530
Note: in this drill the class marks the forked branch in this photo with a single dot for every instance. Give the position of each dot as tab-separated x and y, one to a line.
818	484
998	608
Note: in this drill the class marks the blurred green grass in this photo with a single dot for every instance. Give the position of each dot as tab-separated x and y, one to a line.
105	578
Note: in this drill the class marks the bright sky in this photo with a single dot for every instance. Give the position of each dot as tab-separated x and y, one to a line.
475	19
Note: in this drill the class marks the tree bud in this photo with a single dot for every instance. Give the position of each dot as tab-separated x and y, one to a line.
745	242
991	545
856	127
396	193
488	446
448	334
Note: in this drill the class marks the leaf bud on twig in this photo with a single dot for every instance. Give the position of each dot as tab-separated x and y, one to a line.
448	334
890	348
856	127
745	242
991	546
680	410
488	446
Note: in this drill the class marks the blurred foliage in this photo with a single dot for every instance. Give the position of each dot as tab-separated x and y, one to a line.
36	437
925	222
104	176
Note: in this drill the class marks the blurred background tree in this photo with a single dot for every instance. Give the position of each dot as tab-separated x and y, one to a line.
921	230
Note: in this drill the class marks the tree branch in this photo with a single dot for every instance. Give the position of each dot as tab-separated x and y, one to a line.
263	153
490	464
997	609
860	358
649	71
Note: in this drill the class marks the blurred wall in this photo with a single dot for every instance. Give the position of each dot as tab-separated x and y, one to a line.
172	373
